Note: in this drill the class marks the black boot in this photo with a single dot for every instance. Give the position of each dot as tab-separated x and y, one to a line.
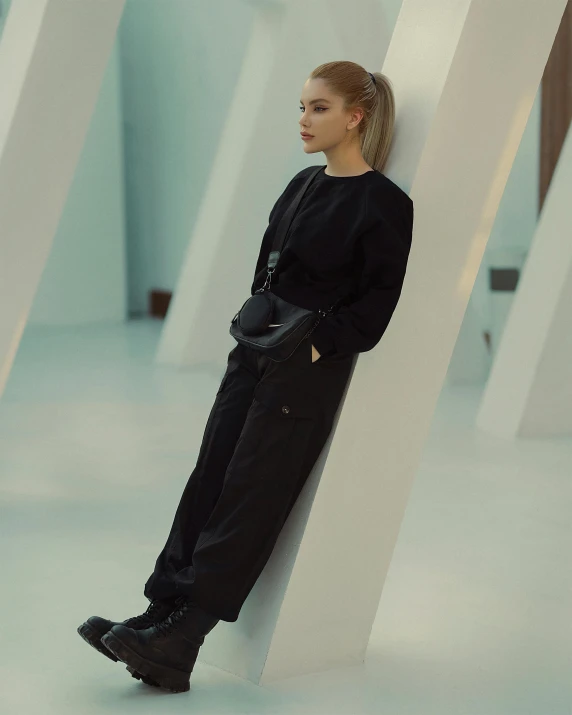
95	627
165	652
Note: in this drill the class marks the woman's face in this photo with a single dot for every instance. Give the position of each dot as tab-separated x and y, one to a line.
324	118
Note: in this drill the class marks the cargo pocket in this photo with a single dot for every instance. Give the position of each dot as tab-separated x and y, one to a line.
289	427
282	400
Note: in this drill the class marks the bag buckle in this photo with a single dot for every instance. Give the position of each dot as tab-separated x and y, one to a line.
268	278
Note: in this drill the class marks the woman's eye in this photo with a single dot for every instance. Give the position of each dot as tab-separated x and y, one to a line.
302	108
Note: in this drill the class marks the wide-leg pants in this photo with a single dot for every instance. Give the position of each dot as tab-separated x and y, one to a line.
266	429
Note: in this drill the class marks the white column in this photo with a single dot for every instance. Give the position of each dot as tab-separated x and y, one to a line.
465	74
53	56
529	390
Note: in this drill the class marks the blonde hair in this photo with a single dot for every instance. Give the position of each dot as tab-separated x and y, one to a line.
354	84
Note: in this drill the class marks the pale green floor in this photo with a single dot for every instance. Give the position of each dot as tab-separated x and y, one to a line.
96	444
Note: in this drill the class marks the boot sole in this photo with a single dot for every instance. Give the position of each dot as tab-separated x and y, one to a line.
91	636
177	681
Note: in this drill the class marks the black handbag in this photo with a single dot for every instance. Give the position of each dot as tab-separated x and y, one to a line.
268	323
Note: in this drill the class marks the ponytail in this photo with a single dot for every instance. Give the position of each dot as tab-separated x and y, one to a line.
352	82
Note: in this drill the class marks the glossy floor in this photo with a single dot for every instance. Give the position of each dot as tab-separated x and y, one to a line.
96	443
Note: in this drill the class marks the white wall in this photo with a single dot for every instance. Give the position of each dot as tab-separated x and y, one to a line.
180	62
85	276
4	7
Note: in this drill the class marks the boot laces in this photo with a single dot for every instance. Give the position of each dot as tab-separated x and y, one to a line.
165	626
148	616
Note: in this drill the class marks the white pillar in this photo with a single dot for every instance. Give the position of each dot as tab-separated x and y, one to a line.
529	390
465	74
53	56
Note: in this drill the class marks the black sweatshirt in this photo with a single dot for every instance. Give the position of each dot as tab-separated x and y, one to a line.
350	239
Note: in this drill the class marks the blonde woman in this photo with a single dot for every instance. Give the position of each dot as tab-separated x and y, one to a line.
348	243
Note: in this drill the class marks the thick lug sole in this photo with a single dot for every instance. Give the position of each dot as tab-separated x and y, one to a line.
172	679
143	678
93	637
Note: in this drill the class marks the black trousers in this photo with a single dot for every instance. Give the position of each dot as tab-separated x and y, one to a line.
266	429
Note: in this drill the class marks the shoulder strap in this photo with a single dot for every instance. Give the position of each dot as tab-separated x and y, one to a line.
283	226
286	220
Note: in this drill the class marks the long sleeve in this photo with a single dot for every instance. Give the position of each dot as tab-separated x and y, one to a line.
359	326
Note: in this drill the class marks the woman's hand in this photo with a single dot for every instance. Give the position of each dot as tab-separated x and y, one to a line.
315	354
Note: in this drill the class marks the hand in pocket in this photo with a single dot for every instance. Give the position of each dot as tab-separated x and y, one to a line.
315	354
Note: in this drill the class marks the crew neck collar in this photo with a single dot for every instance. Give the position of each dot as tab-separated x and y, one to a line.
343	178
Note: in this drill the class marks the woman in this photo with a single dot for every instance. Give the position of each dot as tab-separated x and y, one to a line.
349	242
